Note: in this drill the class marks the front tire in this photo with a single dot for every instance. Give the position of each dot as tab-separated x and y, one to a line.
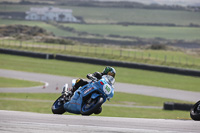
195	112
58	106
92	107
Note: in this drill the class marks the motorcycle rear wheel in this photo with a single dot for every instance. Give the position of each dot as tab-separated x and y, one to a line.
58	106
195	111
93	107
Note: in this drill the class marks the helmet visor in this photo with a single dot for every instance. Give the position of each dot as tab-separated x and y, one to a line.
111	74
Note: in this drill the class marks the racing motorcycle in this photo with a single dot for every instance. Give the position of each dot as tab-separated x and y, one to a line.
195	111
87	99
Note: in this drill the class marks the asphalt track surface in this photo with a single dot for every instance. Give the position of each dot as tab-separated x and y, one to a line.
15	121
26	122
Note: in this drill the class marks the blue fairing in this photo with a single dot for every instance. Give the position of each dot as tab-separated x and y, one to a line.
74	105
93	90
94	95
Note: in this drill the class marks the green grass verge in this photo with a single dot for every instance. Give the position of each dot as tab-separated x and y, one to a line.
40	107
65	68
119	98
10	82
41	103
144	113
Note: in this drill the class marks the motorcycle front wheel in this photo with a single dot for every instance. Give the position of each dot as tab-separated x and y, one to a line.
92	107
195	111
58	106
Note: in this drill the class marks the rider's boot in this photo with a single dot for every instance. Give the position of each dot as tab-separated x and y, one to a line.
67	94
65	89
79	82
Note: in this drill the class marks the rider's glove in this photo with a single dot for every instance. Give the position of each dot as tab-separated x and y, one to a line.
98	75
89	76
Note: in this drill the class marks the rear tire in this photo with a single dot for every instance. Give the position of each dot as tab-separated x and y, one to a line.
58	106
93	107
195	112
98	111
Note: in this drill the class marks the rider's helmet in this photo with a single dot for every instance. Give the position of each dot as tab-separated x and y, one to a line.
109	71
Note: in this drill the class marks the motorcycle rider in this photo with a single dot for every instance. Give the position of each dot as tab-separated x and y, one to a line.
80	82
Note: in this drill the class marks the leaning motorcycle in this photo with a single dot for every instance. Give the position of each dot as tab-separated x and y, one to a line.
86	100
195	111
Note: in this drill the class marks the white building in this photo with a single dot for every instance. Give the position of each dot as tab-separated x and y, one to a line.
50	13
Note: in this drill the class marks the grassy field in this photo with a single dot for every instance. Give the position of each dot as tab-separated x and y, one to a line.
9	82
42	103
100	17
173	33
105	15
126	75
108	15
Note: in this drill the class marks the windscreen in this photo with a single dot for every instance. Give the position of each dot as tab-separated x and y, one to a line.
109	79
